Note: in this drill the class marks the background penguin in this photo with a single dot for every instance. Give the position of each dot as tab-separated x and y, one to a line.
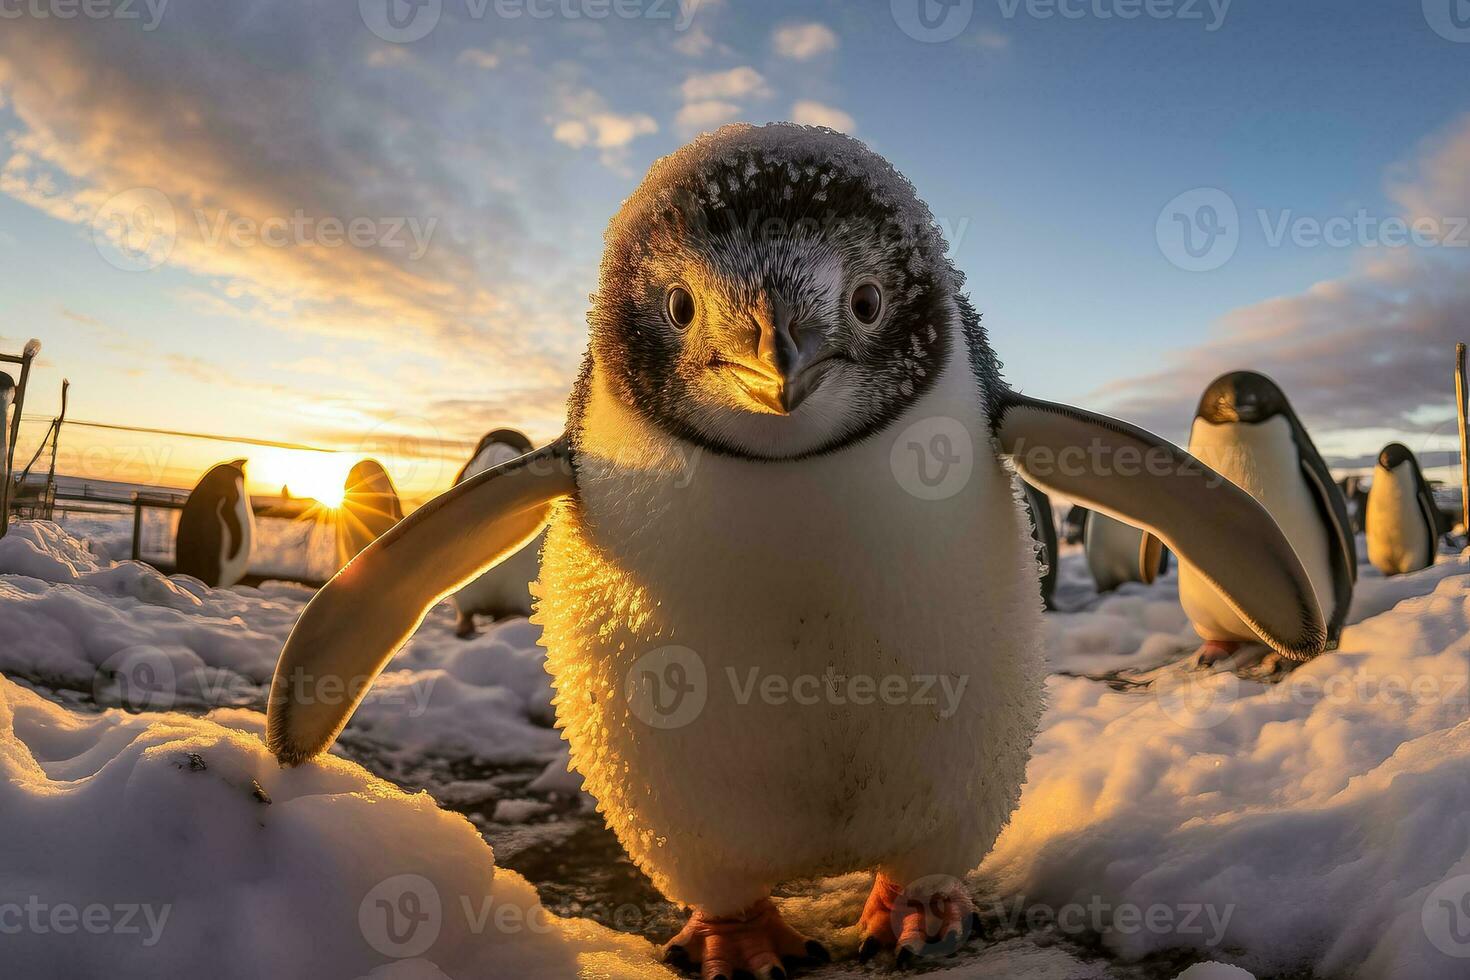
1355	494
1403	519
801	367
1073	524
370	506
216	528
1118	553
1246	430
505	590
1044	530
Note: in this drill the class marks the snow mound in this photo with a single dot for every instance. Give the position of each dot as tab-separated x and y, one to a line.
134	638
169	846
1321	824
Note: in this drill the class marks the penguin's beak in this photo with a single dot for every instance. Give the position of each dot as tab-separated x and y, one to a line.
790	360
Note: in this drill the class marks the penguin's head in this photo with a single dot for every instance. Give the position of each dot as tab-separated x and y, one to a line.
773	292
1394	455
1242	396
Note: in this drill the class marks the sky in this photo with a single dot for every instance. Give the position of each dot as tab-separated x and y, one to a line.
374	229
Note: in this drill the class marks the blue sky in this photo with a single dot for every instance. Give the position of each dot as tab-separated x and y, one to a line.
1049	146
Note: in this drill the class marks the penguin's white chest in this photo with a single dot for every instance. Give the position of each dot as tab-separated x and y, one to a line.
233	566
1398	538
768	670
1261	459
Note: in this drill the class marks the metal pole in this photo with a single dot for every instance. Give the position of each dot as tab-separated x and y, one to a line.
56	444
1464	443
137	528
32	349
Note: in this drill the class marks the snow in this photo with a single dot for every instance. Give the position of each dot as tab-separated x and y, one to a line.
161	845
1316	826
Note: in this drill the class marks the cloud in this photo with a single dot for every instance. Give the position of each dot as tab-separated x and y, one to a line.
802	42
224	112
478	58
990	40
737	83
1360	356
699	117
810	113
694	43
604	130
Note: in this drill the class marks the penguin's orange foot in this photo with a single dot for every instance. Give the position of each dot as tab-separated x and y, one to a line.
1214	651
755	942
934	916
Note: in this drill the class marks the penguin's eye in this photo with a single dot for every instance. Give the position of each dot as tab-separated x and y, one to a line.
680	307
867	302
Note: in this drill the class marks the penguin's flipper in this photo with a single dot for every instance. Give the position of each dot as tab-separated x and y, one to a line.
353	626
1137	477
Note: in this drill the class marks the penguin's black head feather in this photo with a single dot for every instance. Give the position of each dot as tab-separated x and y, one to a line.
1242	396
773	292
1394	454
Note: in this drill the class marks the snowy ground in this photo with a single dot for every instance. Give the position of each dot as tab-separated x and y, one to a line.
1319	826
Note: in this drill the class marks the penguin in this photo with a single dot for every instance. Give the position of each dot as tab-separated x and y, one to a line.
370	506
1355	493
1403	519
1044	530
1119	552
217	528
785	449
1245	429
505	590
1073	524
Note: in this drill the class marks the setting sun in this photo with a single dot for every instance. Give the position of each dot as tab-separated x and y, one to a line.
318	475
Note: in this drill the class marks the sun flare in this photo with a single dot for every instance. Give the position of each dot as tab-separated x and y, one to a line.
318	475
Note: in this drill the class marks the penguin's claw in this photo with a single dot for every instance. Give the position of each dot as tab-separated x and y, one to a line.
916	925
1212	652
756	942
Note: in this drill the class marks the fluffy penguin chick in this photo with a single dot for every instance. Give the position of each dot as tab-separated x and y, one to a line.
788	592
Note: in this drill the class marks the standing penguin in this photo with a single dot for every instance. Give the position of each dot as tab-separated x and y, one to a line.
1044	530
370	506
1246	430
1118	553
1403	519
847	414
505	590
217	528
